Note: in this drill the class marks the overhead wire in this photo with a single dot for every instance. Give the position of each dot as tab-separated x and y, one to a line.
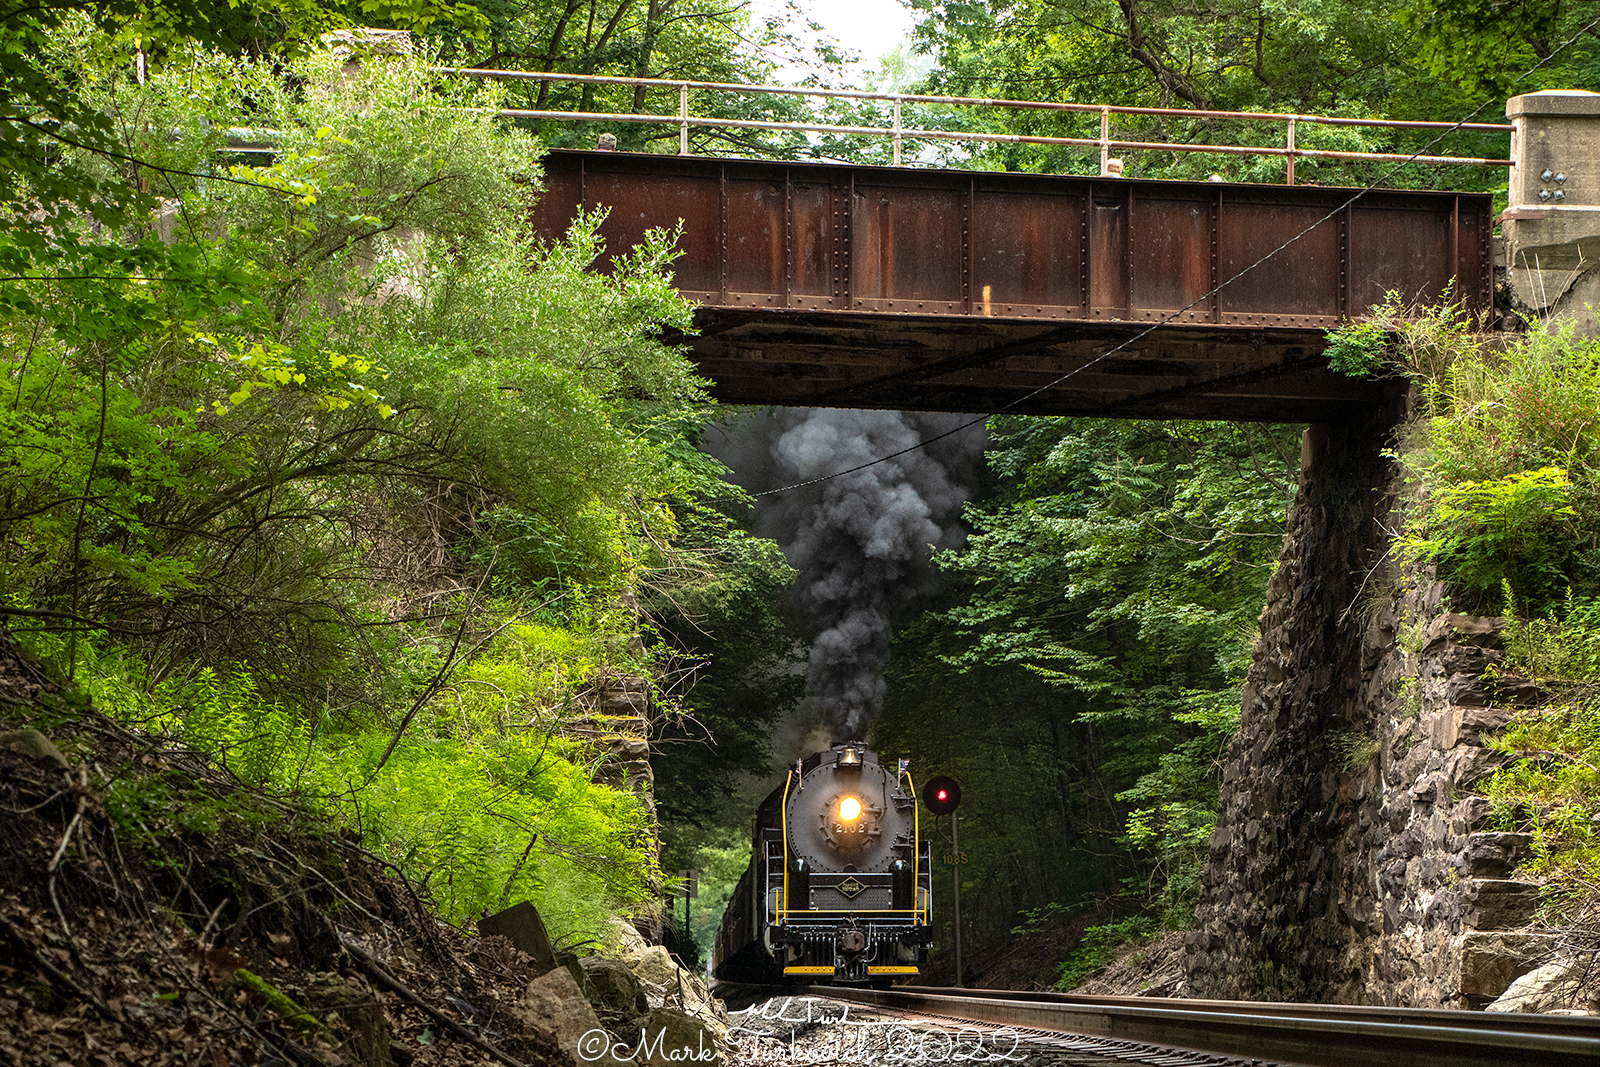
1373	186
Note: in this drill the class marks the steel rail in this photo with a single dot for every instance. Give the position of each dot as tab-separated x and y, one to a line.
1310	1035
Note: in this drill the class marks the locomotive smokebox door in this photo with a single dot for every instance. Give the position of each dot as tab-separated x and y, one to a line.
845	820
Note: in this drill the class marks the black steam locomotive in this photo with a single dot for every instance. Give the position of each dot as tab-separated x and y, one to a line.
839	886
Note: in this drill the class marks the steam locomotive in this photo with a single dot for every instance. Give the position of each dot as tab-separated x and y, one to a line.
839	887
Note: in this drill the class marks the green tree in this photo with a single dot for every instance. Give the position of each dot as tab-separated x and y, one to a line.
343	477
1082	679
1349	58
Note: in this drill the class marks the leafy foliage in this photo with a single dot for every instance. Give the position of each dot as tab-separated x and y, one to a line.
342	478
1081	679
1344	58
1099	947
1506	463
1506	507
1512	531
1359	349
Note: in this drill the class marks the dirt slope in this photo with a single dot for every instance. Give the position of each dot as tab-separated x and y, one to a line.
152	911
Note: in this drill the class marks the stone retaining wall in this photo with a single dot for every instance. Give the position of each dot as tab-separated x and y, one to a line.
1352	860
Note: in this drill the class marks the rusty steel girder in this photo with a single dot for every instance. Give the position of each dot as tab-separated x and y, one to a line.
977	291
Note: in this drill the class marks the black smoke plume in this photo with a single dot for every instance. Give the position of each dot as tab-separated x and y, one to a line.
861	542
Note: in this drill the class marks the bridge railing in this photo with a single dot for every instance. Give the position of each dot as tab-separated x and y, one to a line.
899	133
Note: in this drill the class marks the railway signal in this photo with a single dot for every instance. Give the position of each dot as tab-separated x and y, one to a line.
942	795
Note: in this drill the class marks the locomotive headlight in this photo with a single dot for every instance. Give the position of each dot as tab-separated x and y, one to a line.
849	809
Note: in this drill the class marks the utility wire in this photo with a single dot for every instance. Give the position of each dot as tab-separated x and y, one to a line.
1371	187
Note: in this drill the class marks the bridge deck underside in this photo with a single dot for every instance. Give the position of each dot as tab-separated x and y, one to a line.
978	291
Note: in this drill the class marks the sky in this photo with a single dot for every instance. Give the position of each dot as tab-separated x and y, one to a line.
870	27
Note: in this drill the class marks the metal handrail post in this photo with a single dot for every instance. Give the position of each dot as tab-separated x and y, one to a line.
1290	147
683	119
897	129
1105	139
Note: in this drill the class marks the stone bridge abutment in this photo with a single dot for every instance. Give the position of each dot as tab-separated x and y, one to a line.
1352	859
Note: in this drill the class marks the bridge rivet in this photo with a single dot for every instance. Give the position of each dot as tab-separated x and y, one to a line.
1544	194
1561	177
1546	176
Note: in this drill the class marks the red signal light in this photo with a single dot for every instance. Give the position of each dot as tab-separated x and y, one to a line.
941	794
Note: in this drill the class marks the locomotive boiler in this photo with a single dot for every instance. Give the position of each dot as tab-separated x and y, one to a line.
839	886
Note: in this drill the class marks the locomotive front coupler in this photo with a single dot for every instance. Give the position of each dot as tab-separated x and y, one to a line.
852	938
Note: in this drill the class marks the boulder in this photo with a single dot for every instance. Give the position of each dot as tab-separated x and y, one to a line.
612	986
671	1038
35	746
671	984
627	938
1491	961
554	1003
655	966
1553	987
521	925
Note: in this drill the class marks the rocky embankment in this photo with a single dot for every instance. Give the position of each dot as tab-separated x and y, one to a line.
154	911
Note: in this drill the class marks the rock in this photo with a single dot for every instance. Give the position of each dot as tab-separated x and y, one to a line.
1476	630
612	986
554	1003
1470	765
628	938
1500	904
1490	962
1495	855
35	746
655	966
1458	725
673	1038
1553	987
632	747
666	981
1475	722
521	925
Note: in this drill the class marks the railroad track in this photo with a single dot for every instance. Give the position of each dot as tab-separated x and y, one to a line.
1305	1035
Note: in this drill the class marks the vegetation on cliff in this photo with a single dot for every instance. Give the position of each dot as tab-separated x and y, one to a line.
320	464
1504	461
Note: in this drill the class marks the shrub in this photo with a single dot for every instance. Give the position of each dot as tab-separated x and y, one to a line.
1486	535
1099	947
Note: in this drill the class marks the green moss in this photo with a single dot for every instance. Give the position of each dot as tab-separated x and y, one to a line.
280	1002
